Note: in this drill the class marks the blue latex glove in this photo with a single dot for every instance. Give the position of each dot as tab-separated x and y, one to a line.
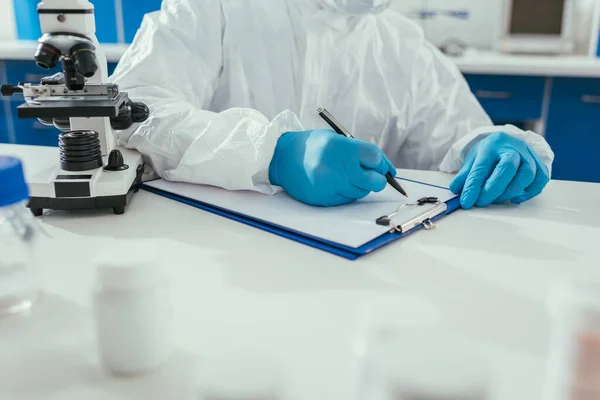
499	169
322	168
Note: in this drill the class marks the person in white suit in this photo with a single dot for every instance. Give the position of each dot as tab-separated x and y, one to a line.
233	87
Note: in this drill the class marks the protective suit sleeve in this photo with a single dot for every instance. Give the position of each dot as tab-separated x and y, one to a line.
173	67
448	120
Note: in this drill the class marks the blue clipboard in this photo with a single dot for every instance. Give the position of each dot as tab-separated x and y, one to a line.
312	241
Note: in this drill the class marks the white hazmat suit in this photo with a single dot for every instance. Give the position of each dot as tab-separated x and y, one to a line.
224	79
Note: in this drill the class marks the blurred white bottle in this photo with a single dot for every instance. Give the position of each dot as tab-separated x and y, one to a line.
133	308
573	371
19	241
404	354
424	365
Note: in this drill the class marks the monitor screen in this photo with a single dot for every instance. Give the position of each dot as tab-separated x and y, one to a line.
537	17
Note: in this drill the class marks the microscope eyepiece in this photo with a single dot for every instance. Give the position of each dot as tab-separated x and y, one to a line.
84	59
78	49
46	56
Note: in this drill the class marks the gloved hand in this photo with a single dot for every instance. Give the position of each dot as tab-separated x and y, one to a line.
498	169
322	168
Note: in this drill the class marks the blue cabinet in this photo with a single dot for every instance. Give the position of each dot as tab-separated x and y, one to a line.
30	131
509	99
111	68
4	135
573	130
26	131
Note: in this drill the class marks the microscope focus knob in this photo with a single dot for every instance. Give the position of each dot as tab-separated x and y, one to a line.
9	90
139	112
116	162
129	114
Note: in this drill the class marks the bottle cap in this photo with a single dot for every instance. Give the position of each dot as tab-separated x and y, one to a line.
13	188
127	267
243	377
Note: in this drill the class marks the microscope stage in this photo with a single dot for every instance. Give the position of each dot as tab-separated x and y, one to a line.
72	108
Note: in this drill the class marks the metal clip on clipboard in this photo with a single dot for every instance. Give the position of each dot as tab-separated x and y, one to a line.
425	218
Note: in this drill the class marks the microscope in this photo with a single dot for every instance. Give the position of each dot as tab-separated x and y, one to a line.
92	170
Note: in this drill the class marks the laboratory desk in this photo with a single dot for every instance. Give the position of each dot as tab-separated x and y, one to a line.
484	274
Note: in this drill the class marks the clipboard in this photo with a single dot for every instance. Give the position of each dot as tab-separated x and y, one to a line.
401	226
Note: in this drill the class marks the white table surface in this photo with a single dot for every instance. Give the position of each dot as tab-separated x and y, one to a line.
484	274
473	62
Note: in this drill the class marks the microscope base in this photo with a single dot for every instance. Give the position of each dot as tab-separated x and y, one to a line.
57	189
37	205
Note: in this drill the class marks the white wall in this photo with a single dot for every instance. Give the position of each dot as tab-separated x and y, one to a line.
482	29
587	14
7	20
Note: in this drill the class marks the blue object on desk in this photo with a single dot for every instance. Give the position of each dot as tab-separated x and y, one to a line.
312	241
133	14
28	22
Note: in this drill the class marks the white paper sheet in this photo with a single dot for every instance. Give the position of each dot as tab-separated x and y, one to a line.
351	225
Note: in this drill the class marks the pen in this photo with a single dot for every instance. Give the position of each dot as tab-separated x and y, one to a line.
338	128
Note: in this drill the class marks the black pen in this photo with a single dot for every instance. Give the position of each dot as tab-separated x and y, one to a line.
338	128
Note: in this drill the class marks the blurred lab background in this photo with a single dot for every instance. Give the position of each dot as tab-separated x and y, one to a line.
531	63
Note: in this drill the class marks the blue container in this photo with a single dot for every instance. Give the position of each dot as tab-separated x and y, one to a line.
133	14
28	23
